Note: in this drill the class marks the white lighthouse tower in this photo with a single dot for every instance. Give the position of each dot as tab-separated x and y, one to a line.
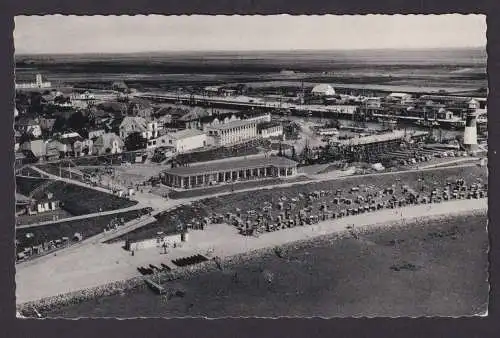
470	132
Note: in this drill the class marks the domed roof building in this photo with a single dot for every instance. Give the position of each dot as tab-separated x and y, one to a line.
323	90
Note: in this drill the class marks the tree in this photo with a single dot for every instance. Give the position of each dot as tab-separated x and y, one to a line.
26	138
59	124
294	154
135	141
280	152
78	122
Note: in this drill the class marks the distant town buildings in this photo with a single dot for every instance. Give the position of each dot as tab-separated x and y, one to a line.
402	98
323	90
39	83
108	143
136	124
29	126
270	129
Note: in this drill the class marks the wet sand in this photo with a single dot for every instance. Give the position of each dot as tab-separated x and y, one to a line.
431	268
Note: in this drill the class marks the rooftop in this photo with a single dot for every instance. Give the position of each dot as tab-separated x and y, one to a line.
239	164
233	124
186	133
265	125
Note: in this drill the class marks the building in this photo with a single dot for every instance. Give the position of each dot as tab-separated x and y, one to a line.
46	124
95	133
29	127
229	171
372	102
39	83
137	124
470	132
323	90
45	204
399	97
365	147
83	100
38	148
181	141
83	147
342	109
211	91
120	86
197	118
52	150
444	114
232	132
141	108
20	159
17	140
270	129
107	144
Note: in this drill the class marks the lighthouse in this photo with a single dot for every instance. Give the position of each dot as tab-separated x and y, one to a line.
470	132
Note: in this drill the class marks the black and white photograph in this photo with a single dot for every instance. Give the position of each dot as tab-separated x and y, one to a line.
272	166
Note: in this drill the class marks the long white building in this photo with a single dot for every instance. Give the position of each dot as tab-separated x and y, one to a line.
236	131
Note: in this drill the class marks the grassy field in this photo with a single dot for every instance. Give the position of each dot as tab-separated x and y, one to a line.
431	268
86	227
77	200
25	185
166	222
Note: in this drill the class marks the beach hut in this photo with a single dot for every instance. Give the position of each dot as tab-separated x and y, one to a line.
77	237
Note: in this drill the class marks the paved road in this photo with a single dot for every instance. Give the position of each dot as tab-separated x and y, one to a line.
74	218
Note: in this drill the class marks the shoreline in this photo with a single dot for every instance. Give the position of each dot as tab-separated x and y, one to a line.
48	304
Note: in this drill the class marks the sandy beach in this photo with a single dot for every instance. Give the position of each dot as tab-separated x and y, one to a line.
431	266
76	269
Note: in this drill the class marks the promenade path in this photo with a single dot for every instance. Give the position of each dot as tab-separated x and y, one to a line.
100	263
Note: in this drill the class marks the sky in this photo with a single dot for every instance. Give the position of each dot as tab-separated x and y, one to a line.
155	33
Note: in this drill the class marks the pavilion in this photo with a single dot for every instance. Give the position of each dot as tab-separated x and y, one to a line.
229	171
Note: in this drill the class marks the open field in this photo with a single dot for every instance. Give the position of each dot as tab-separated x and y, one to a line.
77	200
431	268
85	227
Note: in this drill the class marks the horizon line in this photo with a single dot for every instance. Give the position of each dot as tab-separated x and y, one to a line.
250	50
